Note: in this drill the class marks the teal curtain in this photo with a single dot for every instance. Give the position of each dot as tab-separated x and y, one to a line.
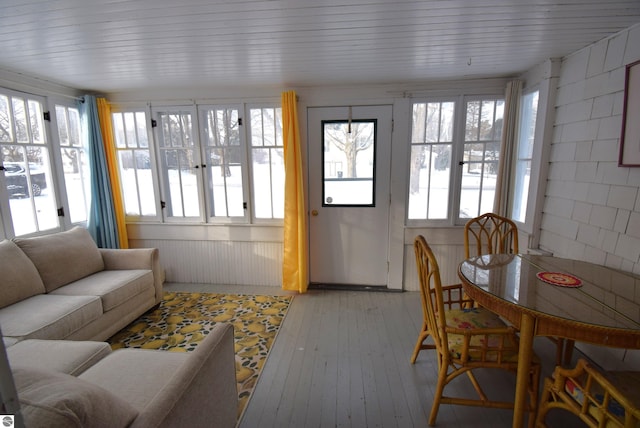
101	222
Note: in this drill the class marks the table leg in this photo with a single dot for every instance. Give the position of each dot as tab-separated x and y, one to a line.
527	323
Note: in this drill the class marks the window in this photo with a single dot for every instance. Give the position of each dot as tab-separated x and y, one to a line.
180	165
224	159
349	157
199	163
430	168
25	157
454	159
482	139
74	163
267	162
134	164
524	155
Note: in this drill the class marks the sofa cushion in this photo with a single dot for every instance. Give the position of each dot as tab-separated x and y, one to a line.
50	399
114	287
47	316
137	375
20	278
64	356
63	257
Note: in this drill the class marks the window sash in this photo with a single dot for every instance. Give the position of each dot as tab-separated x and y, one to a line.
456	184
524	156
267	162
431	155
74	161
224	151
483	121
180	166
136	166
29	197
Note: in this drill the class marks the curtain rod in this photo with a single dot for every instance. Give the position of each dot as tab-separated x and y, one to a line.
73	97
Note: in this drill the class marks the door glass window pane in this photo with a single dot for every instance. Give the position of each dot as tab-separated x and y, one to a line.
349	163
25	156
430	168
74	163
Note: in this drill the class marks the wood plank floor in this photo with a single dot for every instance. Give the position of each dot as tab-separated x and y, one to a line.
341	359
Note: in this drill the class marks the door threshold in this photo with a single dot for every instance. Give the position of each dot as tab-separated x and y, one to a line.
353	287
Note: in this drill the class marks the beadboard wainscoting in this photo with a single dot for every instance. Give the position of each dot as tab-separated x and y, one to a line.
252	255
215	254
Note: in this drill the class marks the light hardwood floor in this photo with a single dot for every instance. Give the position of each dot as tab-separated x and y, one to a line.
341	359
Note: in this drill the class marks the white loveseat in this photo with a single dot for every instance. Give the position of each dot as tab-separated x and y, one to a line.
62	286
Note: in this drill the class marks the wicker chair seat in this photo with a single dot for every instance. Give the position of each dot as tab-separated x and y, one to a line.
473	318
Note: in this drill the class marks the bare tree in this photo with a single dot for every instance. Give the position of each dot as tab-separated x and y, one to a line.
423	124
223	133
350	143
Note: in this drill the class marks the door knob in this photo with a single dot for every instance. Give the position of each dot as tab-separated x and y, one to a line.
314	213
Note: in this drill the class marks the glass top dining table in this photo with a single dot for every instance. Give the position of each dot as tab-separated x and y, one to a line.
552	296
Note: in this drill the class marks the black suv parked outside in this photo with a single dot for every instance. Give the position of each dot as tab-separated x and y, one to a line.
16	179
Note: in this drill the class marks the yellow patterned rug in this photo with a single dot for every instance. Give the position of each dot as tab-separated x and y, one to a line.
183	319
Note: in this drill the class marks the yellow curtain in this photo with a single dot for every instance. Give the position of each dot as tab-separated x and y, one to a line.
294	266
106	128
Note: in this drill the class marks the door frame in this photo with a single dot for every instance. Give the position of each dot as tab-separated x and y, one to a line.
380	198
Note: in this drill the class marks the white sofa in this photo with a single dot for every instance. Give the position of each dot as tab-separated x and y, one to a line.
63	384
62	286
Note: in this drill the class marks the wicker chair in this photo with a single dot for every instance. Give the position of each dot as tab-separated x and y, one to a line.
599	400
493	234
461	346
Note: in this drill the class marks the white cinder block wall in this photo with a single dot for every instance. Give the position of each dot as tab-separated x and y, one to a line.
592	206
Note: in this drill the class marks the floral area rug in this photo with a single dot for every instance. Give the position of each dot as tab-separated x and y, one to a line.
183	319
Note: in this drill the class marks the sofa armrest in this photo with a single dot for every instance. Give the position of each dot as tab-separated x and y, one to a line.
202	392
175	389
136	258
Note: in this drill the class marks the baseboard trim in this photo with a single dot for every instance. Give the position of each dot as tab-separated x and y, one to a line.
353	287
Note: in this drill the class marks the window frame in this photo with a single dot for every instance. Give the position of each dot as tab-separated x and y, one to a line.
457	152
339	178
208	192
443	222
118	109
163	176
59	163
251	201
198	112
530	196
460	221
6	219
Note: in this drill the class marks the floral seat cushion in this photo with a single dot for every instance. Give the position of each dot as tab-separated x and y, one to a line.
478	318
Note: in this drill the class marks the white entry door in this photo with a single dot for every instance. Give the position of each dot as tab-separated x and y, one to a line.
349	173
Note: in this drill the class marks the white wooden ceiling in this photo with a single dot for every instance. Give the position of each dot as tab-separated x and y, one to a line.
118	45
